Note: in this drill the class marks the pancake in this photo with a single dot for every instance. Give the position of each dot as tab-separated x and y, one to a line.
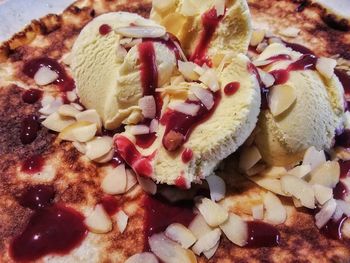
76	181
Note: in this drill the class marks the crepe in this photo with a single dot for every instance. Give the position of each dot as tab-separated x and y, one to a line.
77	181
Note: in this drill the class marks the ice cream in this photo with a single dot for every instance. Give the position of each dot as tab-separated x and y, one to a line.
311	119
206	29
212	134
106	65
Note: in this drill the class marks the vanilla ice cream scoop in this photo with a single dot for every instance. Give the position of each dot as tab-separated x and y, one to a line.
305	106
107	61
206	29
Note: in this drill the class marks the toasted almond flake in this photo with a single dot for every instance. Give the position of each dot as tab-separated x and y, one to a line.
139	129
57	123
187	69
199	70
297	202
256	169
220	7
210	79
271	184
81	131
236	230
275	212
326	174
163	5
205	96
322	193
153	127
122	220
338	213
299	189
323	216
50	105
217	187
266	78
261	47
290	32
134	117
91	116
98	221
188	9
249	157
274	172
185	108
275	40
300	170
169	251
105	158
210	253
81	147
212	212
148	106
176	80
207	241
199	226
67	58
45	76
280	98
180	234
72	95
133	43
141	31
314	157
260	63
98	147
257	37
68	110
147	184
125	40
115	180
77	106
145	257
326	66
258	212
121	53
131	180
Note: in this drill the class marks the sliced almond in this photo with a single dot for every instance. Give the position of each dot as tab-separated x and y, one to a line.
56	122
81	131
274	172
326	66
163	5
290	32
213	213
147	184
280	98
145	257
67	110
121	53
299	189
314	158
181	234
266	78
257	37
115	180
249	157
105	158
188	9
81	147
141	31
122	220
98	221
300	170
207	241
170	251
153	127
219	7
256	169
98	147
325	214
72	96
273	185
210	253
184	107
326	174
131	180
217	187
210	79
139	129
258	212
236	230
275	212
45	76
148	106
204	95
199	226
187	69
90	116
50	105
322	193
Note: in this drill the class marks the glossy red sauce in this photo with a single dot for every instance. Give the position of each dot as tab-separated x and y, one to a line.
104	29
30	127
37	197
231	88
344	169
149	71
181	182
277	58
127	150
299	48
64	81
210	22
333	228
32	95
179	125
33	164
340	191
281	76
261	234
160	214
117	159
52	230
145	140
171	42
187	155
263	90
110	205
343	139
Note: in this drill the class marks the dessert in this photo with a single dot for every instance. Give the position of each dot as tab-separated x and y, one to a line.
116	130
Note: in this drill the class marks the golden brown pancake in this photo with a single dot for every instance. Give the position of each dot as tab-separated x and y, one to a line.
77	181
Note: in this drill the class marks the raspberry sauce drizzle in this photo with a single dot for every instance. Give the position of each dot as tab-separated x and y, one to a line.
33	164
64	81
110	205
231	88
104	29
333	228
29	129
32	95
261	234
210	22
37	197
